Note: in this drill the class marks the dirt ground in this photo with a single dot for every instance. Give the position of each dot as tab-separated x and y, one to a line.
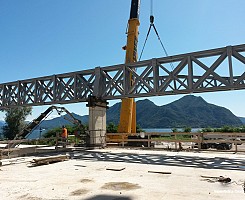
123	174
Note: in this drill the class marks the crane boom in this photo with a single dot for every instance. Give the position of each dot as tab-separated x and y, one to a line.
127	122
32	125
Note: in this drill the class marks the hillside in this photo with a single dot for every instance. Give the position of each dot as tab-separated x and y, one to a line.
188	111
62	120
2	123
242	119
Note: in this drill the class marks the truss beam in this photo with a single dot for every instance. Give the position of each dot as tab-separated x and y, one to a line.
213	70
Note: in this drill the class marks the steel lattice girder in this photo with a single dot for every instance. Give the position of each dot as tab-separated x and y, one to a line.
203	71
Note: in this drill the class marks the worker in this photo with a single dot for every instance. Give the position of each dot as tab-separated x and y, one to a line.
64	136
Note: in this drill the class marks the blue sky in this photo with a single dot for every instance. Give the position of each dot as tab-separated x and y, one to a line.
45	37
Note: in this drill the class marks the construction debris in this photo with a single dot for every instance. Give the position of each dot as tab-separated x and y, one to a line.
217	179
116	169
49	160
158	172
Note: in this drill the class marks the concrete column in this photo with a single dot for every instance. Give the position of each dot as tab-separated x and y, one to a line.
97	126
97	121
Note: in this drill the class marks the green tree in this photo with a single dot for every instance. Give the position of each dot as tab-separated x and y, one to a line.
174	130
208	129
71	129
111	128
187	129
242	129
52	132
75	133
15	121
139	129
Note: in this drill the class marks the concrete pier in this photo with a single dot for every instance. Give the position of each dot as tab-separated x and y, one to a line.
97	122
97	126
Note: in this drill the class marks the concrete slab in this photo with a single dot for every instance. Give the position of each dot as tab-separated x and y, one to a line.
85	176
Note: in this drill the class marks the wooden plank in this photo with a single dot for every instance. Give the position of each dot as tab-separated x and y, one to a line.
217	179
159	172
151	140
49	160
116	169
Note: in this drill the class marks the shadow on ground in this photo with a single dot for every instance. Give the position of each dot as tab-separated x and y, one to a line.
166	160
109	197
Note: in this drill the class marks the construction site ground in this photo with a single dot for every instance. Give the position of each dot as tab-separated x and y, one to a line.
125	174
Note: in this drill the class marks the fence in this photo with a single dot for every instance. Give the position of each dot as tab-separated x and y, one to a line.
198	141
7	151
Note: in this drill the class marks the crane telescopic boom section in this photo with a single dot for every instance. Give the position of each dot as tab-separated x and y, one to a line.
128	108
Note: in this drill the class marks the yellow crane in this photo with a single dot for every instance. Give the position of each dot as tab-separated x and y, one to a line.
127	122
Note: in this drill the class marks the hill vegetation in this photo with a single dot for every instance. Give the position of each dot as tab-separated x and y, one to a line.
189	111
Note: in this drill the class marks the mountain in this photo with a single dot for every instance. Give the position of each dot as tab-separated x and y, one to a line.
188	111
2	123
62	120
242	119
